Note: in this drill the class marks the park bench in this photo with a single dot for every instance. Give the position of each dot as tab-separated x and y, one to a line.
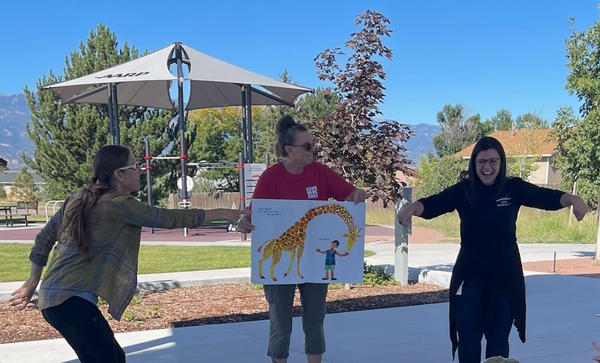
21	211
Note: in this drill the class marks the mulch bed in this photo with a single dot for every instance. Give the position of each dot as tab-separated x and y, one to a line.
586	267
216	304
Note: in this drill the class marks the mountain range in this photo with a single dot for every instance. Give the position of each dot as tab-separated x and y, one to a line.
14	141
14	115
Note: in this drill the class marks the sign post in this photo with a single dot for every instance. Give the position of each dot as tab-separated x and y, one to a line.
401	239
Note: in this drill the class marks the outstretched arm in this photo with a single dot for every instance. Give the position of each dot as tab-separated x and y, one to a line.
320	250
342	254
405	213
579	206
223	214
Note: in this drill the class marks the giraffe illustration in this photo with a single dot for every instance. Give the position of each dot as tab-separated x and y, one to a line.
292	240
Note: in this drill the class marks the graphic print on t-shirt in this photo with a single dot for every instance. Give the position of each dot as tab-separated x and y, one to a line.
311	192
503	202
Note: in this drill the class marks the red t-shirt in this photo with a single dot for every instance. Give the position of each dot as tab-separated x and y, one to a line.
317	182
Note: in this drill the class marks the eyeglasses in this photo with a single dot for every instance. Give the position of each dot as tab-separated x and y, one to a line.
307	145
135	167
493	161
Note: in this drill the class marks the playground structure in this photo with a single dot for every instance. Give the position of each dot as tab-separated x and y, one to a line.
185	194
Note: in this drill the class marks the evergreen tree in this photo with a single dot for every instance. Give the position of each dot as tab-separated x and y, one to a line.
23	187
502	120
457	130
66	137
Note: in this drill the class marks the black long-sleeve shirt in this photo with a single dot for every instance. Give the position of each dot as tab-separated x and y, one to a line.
488	240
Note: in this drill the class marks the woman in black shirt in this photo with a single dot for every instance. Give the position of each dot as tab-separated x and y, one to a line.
487	288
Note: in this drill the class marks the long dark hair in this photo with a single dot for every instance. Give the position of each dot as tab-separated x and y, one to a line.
77	211
474	184
286	134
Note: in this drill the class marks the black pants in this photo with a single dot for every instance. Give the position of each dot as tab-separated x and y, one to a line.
480	310
85	329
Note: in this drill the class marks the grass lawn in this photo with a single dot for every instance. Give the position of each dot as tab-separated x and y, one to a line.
533	225
14	261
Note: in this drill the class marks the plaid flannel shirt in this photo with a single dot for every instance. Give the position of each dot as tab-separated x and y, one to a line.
110	270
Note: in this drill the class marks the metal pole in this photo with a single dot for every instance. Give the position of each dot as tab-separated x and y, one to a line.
401	239
250	155
244	132
242	187
183	155
148	167
111	116
116	128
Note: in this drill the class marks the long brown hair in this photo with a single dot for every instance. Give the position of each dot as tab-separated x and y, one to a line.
76	219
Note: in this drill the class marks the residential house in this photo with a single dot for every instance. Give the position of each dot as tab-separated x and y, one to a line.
7	179
530	143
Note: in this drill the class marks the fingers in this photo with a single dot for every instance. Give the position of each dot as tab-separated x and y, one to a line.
243	223
19	302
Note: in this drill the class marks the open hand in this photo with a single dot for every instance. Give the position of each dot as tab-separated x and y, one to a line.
405	215
244	223
579	208
21	297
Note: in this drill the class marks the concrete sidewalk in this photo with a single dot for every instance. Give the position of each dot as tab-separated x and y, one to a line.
428	263
562	322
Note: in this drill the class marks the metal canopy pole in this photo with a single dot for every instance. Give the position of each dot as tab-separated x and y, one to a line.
116	127
148	168
179	52
111	116
250	155
244	125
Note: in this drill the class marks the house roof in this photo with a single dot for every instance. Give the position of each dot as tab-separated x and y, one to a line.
520	143
9	176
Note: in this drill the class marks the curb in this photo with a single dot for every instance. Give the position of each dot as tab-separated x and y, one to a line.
158	282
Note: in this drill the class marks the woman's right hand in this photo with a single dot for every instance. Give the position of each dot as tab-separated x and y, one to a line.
244	223
21	297
405	213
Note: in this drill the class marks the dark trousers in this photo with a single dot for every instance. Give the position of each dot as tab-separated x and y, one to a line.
85	329
281	302
481	310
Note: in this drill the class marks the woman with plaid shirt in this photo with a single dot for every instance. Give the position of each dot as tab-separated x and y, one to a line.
97	234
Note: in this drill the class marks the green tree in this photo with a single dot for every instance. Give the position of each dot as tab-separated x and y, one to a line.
569	132
218	139
578	145
437	174
502	120
530	121
67	136
366	151
457	130
23	187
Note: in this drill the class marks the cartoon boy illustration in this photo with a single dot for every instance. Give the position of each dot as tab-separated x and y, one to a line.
330	258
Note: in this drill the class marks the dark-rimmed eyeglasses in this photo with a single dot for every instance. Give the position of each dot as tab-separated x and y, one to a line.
308	146
135	167
493	161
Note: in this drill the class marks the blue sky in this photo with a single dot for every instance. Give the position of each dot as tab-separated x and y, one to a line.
486	55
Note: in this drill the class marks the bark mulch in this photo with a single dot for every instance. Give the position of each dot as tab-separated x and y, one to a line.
216	304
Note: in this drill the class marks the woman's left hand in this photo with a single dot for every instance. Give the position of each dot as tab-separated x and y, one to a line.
579	208
21	297
357	196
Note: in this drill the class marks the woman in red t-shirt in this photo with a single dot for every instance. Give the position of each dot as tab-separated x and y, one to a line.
297	176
